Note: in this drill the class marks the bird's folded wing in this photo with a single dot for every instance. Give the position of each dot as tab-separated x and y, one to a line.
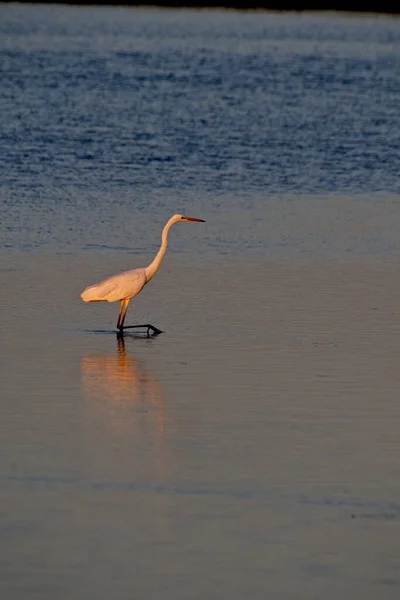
118	287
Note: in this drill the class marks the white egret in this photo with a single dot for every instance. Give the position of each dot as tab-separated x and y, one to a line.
127	285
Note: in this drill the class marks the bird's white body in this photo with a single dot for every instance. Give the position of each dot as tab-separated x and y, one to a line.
127	285
119	287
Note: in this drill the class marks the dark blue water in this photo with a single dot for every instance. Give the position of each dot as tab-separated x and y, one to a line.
253	120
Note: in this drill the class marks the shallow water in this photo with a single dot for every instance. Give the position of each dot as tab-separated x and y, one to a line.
252	448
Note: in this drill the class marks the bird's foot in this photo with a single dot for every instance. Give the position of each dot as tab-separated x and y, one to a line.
147	325
153	329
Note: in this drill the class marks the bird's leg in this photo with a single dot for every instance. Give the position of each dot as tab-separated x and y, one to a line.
149	328
127	301
121	319
123	309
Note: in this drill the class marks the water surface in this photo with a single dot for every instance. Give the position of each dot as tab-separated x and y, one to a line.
252	448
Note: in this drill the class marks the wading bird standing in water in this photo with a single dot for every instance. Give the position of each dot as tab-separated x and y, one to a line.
125	286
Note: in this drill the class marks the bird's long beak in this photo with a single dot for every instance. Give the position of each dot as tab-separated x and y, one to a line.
193	219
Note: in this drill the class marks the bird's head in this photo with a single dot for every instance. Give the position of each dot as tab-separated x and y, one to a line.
185	218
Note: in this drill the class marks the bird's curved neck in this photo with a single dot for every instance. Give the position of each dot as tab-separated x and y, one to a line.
152	269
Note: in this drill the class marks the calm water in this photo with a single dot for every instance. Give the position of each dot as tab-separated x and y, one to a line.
252	449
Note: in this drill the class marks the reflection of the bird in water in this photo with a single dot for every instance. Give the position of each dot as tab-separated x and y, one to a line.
125	399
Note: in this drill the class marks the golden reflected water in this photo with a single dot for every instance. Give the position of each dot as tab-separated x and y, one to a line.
124	397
